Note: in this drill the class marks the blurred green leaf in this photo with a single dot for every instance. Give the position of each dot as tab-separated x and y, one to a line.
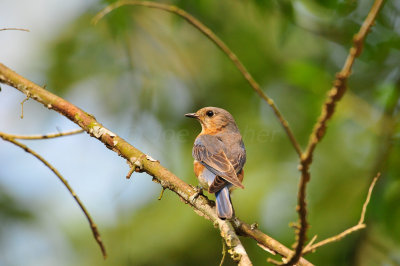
152	67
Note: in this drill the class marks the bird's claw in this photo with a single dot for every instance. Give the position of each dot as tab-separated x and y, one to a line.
198	192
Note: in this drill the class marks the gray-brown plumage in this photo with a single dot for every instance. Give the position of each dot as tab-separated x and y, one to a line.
219	155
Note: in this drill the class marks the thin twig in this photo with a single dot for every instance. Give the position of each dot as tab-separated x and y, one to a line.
161	193
275	261
22	106
335	238
358	226
266	249
93	226
20	29
129	174
47	136
311	242
223	252
217	41
365	205
328	109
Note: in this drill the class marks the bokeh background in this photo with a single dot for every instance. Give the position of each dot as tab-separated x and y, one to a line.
139	70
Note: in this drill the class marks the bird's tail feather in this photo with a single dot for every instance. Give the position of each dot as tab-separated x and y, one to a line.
224	204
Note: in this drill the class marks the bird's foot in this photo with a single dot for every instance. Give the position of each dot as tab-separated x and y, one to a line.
198	192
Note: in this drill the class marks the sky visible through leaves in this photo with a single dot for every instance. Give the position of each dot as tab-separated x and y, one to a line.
140	70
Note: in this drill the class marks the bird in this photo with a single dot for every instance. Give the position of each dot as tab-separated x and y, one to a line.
219	156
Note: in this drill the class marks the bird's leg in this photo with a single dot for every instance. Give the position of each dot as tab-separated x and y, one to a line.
198	192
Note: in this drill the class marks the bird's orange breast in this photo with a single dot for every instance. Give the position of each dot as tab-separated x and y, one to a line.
198	168
212	130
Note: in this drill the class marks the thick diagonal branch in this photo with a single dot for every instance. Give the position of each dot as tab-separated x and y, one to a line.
135	157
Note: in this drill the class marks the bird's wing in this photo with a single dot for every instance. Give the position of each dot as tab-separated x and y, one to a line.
209	152
239	161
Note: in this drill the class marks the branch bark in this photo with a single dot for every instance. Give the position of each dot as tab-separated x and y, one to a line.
266	241
202	206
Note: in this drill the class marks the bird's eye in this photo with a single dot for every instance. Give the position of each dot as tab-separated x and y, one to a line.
210	113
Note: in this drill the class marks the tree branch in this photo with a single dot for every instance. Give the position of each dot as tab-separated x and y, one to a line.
47	136
220	44
202	206
328	109
93	226
340	83
266	241
2	29
133	155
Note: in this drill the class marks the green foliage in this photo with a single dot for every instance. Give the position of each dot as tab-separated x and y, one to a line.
11	210
152	66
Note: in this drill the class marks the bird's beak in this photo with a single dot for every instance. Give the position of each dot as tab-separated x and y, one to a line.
192	115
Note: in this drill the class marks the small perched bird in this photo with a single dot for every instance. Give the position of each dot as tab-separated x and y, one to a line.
219	156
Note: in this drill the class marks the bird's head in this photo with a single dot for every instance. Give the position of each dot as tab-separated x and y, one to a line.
214	119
